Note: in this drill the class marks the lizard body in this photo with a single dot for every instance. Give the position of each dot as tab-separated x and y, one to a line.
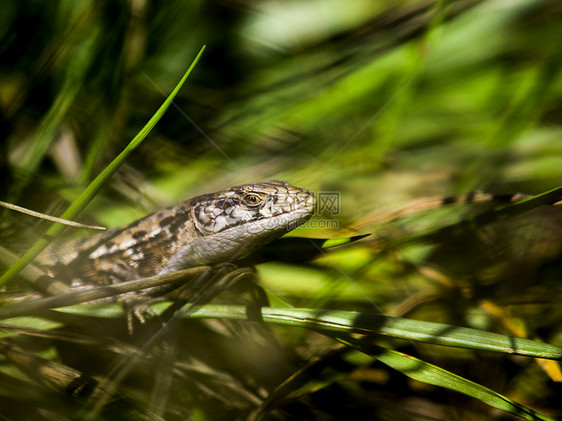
213	228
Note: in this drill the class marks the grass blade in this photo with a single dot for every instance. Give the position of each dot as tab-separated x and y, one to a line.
428	373
349	322
94	187
413	330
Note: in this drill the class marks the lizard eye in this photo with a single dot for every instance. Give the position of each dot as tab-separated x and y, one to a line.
252	199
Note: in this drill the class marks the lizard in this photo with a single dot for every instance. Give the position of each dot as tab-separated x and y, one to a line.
210	229
205	230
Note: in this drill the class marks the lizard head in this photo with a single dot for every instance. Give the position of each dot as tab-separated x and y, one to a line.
235	222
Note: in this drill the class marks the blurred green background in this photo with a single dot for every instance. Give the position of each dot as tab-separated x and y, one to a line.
393	100
381	101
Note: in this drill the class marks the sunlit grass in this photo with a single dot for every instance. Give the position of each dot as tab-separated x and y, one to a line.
421	100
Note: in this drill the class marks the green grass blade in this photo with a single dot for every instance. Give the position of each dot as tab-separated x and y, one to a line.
89	193
413	330
74	80
336	242
485	218
349	322
345	323
431	374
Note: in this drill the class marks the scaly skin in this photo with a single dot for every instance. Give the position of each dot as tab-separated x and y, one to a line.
214	228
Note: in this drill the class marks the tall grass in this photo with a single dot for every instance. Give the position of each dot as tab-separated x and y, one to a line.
382	104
